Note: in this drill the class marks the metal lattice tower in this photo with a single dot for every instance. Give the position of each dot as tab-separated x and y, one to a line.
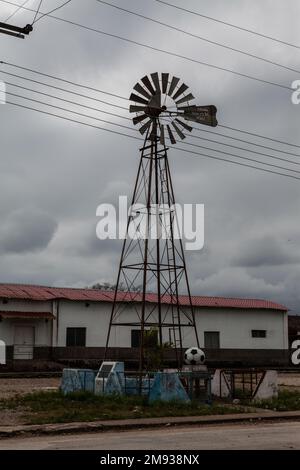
152	267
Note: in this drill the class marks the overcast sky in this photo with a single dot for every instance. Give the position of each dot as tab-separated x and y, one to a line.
54	174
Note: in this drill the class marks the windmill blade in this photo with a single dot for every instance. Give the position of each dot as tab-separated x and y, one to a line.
180	90
165	81
138	119
188	97
162	135
183	124
179	132
148	84
155	79
145	127
155	101
172	138
136	109
141	91
173	85
137	99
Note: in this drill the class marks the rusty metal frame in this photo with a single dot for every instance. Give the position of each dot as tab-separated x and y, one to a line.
167	266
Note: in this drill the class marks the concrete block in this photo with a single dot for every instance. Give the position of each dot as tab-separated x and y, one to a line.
168	387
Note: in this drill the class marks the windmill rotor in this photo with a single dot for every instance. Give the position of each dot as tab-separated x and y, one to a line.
155	98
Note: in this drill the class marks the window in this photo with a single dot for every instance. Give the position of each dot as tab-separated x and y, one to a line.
150	338
211	339
135	338
259	333
76	337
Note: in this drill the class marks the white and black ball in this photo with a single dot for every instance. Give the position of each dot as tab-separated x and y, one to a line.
194	356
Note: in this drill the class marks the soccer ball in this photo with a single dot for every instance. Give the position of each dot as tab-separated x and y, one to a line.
193	356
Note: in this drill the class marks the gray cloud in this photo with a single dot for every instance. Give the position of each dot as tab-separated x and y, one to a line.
266	251
65	170
26	230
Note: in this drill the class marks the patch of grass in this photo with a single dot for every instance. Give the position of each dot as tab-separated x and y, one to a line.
54	407
287	400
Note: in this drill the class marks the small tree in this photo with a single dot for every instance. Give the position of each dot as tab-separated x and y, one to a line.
154	352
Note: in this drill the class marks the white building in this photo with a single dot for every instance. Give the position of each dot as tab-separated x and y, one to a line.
42	323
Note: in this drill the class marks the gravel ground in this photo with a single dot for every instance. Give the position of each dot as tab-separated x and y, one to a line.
12	387
289	381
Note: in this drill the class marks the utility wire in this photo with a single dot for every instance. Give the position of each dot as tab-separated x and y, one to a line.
126	99
139	139
72	112
63	89
135	130
129	119
37	12
259	135
16	11
163	51
242	158
69	101
280	41
49	12
195	36
246	141
62	79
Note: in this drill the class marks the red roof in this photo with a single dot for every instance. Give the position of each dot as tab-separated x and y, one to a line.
30	292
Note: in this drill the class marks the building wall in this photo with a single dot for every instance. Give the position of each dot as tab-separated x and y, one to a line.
234	325
42	327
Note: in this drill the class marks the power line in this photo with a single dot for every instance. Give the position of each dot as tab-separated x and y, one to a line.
129	119
129	128
137	138
280	41
201	38
70	111
63	89
69	101
69	82
37	12
16	11
247	141
259	135
124	98
49	12
163	51
248	150
246	158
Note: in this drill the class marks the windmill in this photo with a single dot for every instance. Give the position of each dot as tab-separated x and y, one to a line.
152	255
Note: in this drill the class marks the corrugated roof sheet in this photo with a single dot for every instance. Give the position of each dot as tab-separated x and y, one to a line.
31	292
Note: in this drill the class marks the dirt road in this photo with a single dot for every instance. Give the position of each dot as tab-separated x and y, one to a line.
284	435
